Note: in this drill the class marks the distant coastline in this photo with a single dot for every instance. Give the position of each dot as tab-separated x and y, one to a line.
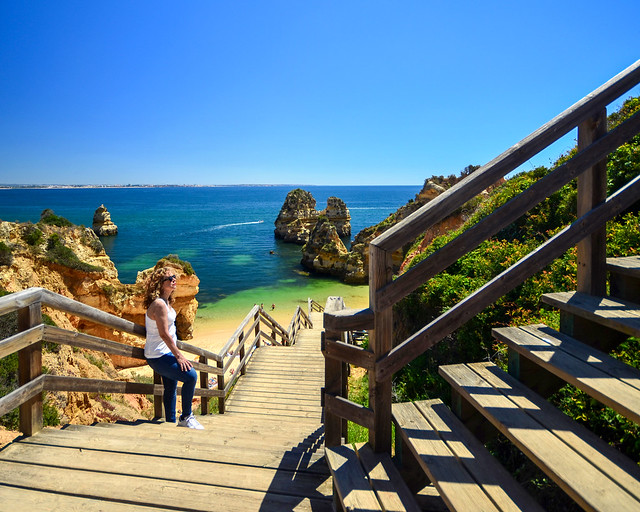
53	186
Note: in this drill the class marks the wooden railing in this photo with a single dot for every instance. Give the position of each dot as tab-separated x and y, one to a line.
314	306
382	359
32	333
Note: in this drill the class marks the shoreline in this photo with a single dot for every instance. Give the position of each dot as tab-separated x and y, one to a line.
211	331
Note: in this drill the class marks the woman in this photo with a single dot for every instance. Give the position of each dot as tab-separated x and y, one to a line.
161	350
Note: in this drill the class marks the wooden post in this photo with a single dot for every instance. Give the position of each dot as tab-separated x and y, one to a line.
30	367
380	339
157	399
204	383
243	368
221	399
333	385
257	330
592	190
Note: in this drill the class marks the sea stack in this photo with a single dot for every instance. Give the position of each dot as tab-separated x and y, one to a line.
298	217
102	224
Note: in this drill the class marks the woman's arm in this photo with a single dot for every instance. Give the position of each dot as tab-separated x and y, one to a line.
159	312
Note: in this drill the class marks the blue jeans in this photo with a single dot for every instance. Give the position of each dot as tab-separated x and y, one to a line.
167	366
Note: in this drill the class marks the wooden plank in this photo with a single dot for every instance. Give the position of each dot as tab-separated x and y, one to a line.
21	340
181	469
18	300
496	482
55	334
380	341
391	490
61	383
20	498
589	375
351	354
456	486
587	484
349	320
442	206
254	436
535	261
141	490
349	480
349	410
616	314
76	308
609	460
586	353
22	394
30	368
626	265
278	452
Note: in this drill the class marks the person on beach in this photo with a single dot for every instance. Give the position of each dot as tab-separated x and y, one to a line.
161	350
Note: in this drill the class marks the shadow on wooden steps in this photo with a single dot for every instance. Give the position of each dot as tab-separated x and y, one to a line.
231	464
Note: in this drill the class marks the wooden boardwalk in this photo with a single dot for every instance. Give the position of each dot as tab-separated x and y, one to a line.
265	453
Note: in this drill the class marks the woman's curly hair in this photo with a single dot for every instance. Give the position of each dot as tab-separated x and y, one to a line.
154	286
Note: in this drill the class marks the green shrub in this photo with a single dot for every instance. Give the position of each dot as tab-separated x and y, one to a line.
6	256
32	235
186	266
51	219
59	253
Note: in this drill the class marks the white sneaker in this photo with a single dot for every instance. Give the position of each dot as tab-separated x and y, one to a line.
190	422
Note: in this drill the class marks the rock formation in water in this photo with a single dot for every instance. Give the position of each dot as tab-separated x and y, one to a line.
102	223
324	252
298	217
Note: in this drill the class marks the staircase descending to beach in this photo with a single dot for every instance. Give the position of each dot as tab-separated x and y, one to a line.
265	453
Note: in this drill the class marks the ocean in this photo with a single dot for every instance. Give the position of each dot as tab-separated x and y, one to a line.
225	232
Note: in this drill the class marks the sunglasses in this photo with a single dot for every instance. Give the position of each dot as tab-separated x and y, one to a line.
169	278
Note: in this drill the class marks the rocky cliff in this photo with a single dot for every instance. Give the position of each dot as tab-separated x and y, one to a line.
298	217
71	261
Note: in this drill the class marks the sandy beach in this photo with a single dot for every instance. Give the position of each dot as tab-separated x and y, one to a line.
212	333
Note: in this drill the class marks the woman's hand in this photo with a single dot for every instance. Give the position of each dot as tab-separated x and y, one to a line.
185	364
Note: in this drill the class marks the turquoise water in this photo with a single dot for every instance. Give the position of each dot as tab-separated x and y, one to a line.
226	233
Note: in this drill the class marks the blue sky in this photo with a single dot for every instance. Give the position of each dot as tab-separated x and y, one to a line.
292	92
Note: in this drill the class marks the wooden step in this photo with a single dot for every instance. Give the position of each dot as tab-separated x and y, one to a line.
364	480
591	472
624	277
617	314
465	474
606	379
626	265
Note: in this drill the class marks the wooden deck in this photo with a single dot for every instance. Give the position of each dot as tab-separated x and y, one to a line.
265	453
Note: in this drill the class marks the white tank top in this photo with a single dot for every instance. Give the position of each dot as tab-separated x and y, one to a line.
155	345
